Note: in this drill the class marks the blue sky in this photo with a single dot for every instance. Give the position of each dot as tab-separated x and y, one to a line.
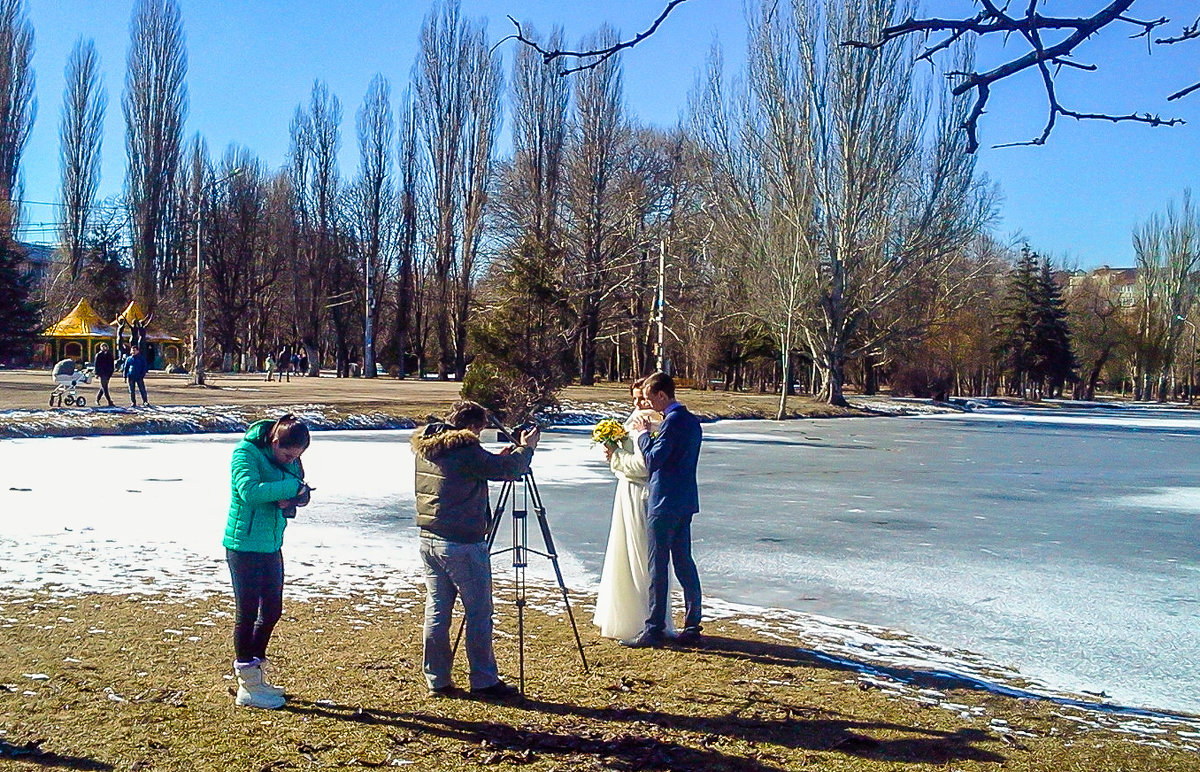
252	61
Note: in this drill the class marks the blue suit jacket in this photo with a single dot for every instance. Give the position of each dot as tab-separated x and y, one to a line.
671	458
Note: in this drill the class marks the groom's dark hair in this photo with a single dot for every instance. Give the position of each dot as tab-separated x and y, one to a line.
660	382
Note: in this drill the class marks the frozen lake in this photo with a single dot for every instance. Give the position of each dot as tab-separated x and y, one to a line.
1059	542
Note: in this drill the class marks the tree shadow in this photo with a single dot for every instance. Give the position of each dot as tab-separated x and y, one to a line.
797	727
499	741
32	753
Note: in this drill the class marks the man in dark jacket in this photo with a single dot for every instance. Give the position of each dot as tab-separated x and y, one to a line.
104	371
454	515
135	373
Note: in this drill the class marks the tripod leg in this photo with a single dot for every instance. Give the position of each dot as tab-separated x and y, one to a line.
548	541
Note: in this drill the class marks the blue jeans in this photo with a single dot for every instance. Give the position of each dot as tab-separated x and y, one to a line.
453	570
137	383
670	543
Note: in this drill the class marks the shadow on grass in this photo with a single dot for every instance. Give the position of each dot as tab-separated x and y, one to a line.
32	753
767	653
627	743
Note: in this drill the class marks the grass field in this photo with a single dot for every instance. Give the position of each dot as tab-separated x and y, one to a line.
141	683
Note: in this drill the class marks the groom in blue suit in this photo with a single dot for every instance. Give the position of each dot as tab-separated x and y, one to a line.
671	458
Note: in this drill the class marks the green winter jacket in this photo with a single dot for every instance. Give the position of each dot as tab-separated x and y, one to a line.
256	522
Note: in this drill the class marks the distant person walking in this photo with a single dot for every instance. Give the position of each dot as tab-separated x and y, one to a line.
267	484
105	367
134	371
271	367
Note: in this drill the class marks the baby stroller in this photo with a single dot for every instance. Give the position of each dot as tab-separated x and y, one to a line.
66	378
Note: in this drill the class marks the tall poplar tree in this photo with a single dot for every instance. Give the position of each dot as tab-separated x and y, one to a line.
18	106
155	104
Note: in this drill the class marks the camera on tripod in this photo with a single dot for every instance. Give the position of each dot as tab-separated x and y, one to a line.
512	435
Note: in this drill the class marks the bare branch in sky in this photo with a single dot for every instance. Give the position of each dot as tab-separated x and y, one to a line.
1044	55
595	57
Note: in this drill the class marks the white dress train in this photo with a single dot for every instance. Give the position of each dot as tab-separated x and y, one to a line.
623	601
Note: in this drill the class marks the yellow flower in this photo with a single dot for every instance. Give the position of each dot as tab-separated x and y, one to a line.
609	431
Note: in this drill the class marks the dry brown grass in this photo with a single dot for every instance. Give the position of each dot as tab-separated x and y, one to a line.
140	682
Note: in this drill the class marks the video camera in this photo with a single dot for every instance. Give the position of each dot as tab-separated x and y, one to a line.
512	435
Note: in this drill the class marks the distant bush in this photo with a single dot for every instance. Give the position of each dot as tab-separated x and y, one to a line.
920	380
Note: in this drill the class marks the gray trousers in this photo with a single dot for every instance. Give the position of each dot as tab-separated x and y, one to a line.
453	570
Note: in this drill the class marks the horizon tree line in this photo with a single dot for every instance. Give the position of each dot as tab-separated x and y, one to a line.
813	222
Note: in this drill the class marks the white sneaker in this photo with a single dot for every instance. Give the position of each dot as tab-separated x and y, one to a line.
252	692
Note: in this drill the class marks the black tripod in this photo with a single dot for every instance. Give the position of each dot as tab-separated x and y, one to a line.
521	550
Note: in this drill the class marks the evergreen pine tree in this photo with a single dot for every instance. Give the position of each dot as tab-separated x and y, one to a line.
1054	362
18	311
1015	330
524	349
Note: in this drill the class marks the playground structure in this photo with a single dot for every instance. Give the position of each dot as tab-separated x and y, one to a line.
78	336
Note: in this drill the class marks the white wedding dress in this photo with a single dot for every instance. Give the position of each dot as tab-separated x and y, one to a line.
623	602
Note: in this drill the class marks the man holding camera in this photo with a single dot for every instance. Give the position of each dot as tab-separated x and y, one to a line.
454	515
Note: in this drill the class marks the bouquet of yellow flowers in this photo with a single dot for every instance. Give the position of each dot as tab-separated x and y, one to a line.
609	431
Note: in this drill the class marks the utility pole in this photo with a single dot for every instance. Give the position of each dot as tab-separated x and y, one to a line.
368	329
660	307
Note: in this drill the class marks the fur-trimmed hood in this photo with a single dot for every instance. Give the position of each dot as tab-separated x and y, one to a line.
437	439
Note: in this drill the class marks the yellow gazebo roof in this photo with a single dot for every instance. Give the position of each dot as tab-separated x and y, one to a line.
132	313
81	322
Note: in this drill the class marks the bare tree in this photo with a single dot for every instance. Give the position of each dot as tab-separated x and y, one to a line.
1099	328
484	86
593	163
79	136
240	266
1051	43
373	204
531	184
1168	257
155	105
312	166
753	143
824	174
457	83
408	313
440	90
18	106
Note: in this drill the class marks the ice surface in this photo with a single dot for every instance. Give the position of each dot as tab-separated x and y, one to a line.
1062	545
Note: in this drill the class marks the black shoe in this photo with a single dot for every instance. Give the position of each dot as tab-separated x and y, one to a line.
687	638
449	691
643	641
497	691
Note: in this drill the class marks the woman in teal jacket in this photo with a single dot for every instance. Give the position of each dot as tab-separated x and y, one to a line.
267	482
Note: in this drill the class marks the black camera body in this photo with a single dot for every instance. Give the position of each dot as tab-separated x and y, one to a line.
301	499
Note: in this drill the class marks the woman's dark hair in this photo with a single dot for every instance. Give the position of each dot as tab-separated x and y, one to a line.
639	383
467	414
289	431
660	382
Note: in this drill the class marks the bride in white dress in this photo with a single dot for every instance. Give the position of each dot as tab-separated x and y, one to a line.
623	602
